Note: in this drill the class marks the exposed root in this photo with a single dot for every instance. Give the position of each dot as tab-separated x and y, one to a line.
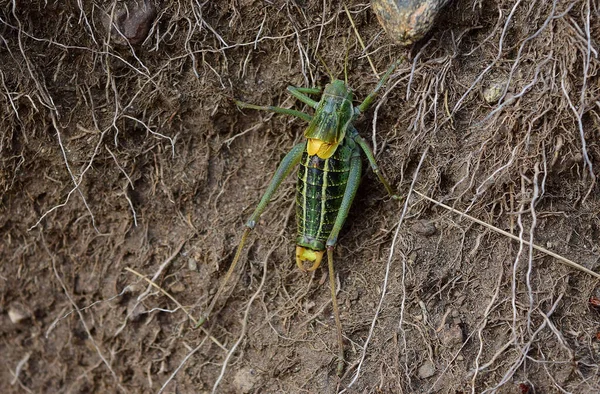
562	259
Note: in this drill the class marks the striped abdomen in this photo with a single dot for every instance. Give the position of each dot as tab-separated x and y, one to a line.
320	190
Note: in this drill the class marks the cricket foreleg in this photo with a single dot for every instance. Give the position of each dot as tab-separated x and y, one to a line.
301	94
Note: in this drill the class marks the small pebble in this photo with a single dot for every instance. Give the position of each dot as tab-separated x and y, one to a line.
493	92
412	257
424	228
135	310
17	315
525	388
177	287
451	335
426	370
134	22
192	264
460	357
133	288
244	380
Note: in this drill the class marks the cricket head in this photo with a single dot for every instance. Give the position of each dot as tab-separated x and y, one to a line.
332	116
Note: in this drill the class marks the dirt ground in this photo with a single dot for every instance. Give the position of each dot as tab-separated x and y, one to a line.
123	155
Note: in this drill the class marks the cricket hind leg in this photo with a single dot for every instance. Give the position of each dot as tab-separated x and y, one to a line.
234	263
336	312
285	167
349	194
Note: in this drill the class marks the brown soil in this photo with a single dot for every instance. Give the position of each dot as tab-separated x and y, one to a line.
117	157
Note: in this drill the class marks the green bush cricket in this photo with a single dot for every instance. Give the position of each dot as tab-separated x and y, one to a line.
328	177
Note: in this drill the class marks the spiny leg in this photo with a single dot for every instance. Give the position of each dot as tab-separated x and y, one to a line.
301	94
287	165
336	312
278	110
349	194
236	258
369	99
373	163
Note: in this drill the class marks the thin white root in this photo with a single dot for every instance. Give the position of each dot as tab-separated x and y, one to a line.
558	257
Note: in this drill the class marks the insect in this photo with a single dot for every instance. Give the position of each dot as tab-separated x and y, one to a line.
407	21
329	173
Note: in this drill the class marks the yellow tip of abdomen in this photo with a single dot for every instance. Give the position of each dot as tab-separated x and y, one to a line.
304	254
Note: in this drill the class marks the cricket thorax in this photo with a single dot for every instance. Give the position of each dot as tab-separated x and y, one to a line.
332	116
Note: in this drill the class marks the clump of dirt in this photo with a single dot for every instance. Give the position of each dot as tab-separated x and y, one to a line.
122	152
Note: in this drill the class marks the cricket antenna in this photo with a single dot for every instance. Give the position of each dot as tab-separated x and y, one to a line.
346	66
360	41
326	68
